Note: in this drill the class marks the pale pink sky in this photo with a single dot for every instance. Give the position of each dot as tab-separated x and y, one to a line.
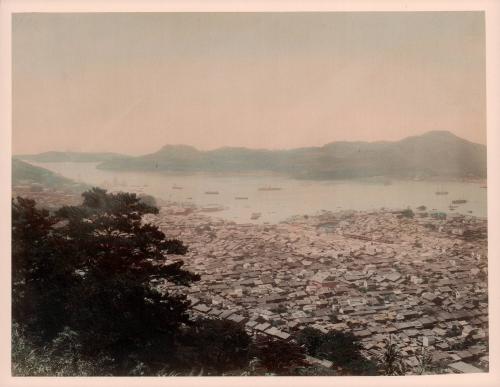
132	83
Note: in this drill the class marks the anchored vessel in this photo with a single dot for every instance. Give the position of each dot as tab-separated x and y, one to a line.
212	208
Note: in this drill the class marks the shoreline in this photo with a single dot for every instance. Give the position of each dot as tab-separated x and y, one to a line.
262	173
374	273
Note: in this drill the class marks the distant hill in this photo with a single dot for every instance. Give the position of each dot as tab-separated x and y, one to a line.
433	154
79	157
25	173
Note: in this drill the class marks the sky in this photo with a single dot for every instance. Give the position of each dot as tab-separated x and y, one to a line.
131	83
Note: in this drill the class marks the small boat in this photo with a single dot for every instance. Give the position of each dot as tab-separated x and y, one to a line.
459	201
212	208
255	215
176	187
211	192
241	198
270	189
441	192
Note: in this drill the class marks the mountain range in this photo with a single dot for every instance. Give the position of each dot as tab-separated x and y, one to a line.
432	154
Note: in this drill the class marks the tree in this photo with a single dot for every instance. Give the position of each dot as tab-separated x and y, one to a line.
278	356
408	213
311	339
455	330
90	268
390	361
341	348
41	271
425	362
148	199
214	346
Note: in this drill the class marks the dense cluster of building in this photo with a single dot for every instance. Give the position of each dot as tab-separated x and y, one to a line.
422	279
47	197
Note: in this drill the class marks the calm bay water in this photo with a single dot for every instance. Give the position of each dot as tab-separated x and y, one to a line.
296	197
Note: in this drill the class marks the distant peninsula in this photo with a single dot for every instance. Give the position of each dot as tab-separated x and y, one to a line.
430	155
75	157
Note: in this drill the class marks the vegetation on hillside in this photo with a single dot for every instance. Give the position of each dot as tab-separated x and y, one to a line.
86	301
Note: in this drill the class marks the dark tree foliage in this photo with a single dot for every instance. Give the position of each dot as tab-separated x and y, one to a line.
311	339
341	348
278	356
90	268
214	346
40	277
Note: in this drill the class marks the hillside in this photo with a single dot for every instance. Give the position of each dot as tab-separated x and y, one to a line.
433	154
26	174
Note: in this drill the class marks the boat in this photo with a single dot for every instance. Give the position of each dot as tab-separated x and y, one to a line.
255	215
241	198
176	187
441	192
270	188
211	192
213	208
484	186
459	201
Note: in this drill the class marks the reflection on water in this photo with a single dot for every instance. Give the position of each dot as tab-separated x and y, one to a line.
276	198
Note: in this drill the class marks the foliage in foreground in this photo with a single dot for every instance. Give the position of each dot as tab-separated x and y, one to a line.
277	356
88	269
85	302
341	348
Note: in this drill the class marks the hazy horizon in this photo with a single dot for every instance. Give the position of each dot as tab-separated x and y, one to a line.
226	146
132	83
